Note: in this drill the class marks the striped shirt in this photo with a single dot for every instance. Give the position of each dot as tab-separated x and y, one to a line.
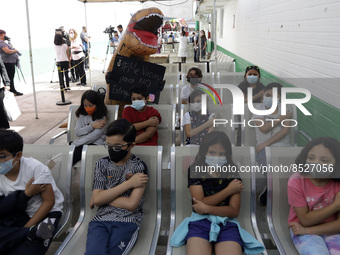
108	175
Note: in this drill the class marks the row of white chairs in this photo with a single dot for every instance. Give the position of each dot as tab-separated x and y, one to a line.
167	128
59	159
234	78
207	66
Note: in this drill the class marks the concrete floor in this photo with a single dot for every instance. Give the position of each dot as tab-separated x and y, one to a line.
51	116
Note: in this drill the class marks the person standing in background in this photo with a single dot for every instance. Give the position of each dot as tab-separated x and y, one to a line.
120	31
5	85
196	37
202	45
183	47
86	45
78	56
9	57
63	60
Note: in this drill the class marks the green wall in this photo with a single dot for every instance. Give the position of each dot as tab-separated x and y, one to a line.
325	118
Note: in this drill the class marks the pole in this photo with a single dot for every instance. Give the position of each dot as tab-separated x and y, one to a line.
31	60
88	45
215	36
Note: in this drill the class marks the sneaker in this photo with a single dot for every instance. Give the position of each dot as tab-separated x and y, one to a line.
83	84
78	84
42	231
262	199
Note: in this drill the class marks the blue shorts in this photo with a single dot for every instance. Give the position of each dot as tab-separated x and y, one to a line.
201	228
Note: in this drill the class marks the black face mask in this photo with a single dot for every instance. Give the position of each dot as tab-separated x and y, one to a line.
117	156
193	81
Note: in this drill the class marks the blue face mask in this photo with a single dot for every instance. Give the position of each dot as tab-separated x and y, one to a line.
138	104
6	166
214	160
252	79
268	101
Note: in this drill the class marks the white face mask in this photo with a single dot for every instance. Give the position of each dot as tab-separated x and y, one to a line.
268	101
252	79
195	106
72	36
215	160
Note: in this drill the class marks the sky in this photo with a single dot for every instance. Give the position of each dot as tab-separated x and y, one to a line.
47	15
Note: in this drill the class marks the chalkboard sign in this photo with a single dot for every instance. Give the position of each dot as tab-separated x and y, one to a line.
130	72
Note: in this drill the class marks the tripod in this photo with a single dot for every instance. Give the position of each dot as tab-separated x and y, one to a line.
110	47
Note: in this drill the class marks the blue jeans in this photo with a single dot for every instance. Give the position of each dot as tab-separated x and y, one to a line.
111	238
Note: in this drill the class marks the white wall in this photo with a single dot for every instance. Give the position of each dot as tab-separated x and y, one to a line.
288	38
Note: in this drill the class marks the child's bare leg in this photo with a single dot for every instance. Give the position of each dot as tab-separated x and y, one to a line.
197	246
228	247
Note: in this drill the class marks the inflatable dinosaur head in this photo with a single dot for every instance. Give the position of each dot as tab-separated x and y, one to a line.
140	37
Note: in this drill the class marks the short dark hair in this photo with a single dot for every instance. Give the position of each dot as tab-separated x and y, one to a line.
197	71
94	98
2	31
332	145
122	127
11	141
274	85
194	94
252	68
119	26
58	39
141	90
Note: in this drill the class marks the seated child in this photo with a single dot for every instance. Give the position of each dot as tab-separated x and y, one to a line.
314	198
194	77
91	123
143	117
252	78
197	125
270	133
216	201
30	202
118	186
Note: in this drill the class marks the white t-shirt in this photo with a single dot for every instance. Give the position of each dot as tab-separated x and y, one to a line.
262	137
79	48
187	119
30	167
186	91
60	51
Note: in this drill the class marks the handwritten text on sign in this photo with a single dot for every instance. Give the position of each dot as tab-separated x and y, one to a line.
129	72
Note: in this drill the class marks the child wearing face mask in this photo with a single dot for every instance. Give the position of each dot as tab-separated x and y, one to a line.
268	131
197	125
216	200
91	123
314	198
143	117
30	202
252	80
194	77
118	186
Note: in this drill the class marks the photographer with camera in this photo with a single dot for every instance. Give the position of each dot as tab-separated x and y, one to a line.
10	58
77	56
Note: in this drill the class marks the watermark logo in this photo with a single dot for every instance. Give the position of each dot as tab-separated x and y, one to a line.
238	103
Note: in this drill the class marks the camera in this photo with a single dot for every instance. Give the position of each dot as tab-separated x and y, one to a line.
110	30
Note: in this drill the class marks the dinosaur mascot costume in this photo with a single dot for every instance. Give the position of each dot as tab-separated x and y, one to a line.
139	41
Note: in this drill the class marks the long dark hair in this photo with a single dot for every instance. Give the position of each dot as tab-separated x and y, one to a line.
58	39
94	98
215	137
332	145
